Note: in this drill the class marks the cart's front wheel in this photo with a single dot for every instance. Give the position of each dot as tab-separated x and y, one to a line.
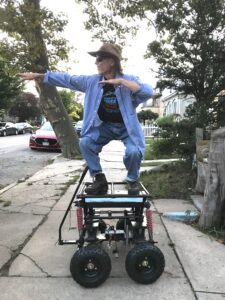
145	263
90	266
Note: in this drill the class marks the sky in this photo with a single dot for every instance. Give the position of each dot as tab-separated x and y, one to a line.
82	63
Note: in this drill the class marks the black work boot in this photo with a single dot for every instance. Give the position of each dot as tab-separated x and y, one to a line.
99	186
133	187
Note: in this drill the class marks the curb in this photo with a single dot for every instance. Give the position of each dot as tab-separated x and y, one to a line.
8	187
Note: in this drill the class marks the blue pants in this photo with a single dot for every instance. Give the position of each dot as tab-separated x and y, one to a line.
91	147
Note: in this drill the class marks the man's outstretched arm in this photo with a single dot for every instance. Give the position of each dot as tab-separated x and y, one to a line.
31	76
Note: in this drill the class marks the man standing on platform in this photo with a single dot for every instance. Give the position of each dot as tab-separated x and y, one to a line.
111	98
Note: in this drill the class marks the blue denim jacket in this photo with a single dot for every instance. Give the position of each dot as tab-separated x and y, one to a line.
127	100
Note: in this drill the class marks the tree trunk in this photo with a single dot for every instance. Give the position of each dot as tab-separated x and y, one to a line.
58	117
50	100
213	212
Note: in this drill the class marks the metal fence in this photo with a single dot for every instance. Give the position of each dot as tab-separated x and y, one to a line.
149	130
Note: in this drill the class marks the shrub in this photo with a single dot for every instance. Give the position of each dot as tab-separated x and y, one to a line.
161	148
177	139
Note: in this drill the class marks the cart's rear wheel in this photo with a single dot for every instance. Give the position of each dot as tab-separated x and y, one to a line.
145	263
90	266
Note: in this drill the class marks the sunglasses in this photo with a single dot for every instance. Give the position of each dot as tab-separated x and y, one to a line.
101	58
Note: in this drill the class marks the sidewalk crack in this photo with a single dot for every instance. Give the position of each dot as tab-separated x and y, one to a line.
212	293
36	204
175	252
35	263
4	270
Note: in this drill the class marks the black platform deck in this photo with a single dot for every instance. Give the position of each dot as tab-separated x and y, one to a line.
117	196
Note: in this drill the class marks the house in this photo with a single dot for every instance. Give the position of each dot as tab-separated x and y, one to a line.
172	104
176	104
154	104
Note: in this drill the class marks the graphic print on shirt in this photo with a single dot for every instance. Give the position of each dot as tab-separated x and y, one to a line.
110	102
109	110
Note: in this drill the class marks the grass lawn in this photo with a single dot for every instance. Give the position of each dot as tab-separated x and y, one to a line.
173	180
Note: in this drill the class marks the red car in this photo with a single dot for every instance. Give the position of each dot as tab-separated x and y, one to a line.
44	138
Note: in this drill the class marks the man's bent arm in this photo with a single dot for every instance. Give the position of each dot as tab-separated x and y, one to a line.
132	85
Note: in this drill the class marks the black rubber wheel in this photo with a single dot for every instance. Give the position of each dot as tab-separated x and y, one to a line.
145	263
90	266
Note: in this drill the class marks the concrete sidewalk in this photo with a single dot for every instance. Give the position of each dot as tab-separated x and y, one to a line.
34	266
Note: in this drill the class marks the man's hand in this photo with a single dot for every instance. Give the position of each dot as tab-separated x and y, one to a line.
31	76
114	81
132	85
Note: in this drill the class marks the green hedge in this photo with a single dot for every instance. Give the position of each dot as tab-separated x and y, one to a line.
173	139
161	149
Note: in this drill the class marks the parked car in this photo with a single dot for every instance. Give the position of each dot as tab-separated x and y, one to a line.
24	127
44	138
78	126
8	128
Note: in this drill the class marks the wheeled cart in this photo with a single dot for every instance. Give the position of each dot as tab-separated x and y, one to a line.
113	217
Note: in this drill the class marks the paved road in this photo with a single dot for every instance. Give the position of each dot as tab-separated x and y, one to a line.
18	161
